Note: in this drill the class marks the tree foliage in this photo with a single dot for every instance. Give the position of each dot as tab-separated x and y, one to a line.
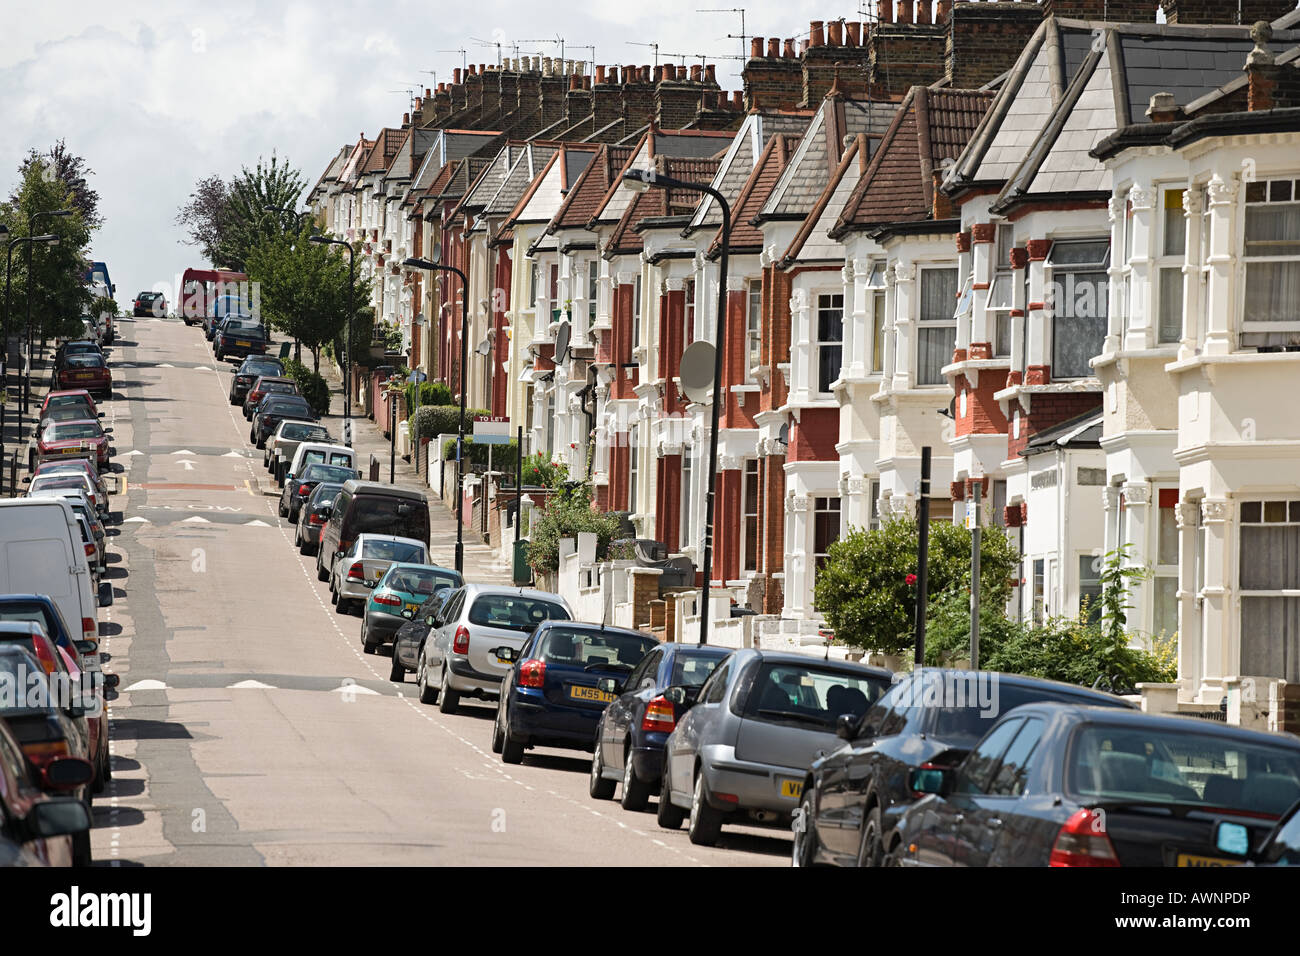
311	385
567	515
204	216
229	220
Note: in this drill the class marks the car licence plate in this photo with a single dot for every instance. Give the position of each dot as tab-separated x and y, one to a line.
1192	859
73	451
792	789
412	608
590	693
242	343
83	376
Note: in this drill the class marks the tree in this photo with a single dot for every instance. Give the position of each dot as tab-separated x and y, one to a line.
566	516
867	589
204	217
248	223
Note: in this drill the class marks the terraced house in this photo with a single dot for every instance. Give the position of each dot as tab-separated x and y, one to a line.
1049	241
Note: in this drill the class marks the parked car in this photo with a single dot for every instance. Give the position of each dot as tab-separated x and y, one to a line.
150	303
634	728
72	485
263	386
1281	847
275	409
41	553
249	371
1066	785
240	338
74	396
359	568
408	641
298	488
368	507
287	436
86	370
86	466
80	439
552	694
461	655
855	794
84	346
313	515
41	609
397	595
44	825
743	750
314	453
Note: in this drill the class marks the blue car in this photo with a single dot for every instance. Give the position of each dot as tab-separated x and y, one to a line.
397	596
552	696
634	729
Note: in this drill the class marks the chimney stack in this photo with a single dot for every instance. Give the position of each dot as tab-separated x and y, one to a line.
983	40
771	81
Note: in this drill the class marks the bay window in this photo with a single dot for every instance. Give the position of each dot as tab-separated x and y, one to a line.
1165	617
754	324
876	291
1270	588
1271	316
826	528
1173	249
937	331
751	495
830	338
1080	306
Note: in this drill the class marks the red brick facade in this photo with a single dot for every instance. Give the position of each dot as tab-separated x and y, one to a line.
1046	411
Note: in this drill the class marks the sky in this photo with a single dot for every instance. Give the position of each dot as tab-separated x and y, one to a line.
156	96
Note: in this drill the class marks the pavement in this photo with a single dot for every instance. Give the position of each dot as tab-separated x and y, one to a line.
249	728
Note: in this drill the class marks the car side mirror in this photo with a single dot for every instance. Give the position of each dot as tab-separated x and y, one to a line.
58	817
408	613
339	554
609	685
428	621
508	654
1232	838
112	680
682	696
86	648
101	415
930	780
66	773
105	594
846	726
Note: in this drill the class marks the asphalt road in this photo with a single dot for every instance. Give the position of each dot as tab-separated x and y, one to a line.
250	729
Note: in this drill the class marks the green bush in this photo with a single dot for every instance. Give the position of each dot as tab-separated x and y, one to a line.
540	471
311	385
566	516
430	421
504	457
431	393
867	588
1072	650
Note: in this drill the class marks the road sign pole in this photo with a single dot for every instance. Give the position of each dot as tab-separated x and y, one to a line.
922	555
975	576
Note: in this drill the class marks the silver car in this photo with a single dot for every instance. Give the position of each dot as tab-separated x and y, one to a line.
459	656
286	438
357	570
741	753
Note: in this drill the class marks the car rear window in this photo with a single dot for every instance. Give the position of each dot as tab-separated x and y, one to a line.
581	647
381	514
322	493
799	693
320	472
692	670
295	431
392	551
964	726
1148	764
426	581
29	611
84	359
62	431
514	611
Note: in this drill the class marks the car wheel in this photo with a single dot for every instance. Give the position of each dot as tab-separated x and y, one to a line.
871	848
705	823
428	695
342	605
366	646
892	856
252	437
597	785
450	699
805	839
321	573
512	751
284	512
396	672
498	735
636	793
669	815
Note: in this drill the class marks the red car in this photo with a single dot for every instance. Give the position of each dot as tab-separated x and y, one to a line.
81	439
26	812
86	370
77	396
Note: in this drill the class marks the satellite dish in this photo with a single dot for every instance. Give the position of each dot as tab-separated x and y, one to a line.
562	343
696	371
783	436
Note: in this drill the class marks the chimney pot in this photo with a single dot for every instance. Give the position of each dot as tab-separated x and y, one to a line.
546	66
884	11
575	81
787	51
755	48
580	67
816	36
697	71
406	119
427	92
471	70
803	47
923	12
710	74
835	33
482	68
773	47
647	72
854	37
738	98
455	76
536	65
944	11
903	14
600	74
629	74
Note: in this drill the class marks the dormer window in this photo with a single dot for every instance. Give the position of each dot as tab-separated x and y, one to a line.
1271	314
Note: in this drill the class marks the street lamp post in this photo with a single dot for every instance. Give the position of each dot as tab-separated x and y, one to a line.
641	180
31	229
347	345
417	263
9	263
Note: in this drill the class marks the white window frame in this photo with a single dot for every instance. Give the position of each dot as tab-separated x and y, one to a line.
684	526
1002	291
633	456
877	315
1290	518
825	302
1287	328
753	326
822	506
1169	265
749	510
939	321
1097	267
636	312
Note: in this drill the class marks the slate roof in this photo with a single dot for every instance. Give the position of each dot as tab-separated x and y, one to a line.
590	187
820	151
381	154
532	157
334	168
660	202
745	236
1081	431
541	201
489	180
930	126
652	144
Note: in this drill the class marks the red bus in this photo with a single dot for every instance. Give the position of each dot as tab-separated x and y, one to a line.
202	287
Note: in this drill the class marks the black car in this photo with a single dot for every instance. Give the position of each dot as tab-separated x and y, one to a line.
51	828
1280	848
552	696
273	410
1067	785
854	795
297	491
252	368
634	728
239	338
409	638
313	514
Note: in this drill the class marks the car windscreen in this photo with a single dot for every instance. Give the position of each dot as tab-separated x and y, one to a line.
328	473
1113	762
382	550
580	647
424	581
297	431
692	669
381	514
982	703
65	431
514	611
807	694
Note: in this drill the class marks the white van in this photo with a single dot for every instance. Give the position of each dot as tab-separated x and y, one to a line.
320	453
41	552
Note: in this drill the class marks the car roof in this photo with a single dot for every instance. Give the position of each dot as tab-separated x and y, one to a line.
275	378
358	486
423	567
65	392
596	628
368	536
478	588
1179	723
75	421
325	446
1108	701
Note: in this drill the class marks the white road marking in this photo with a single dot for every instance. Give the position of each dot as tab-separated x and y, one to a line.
148	684
251	685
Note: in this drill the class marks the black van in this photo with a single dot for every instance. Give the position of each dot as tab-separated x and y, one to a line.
368	507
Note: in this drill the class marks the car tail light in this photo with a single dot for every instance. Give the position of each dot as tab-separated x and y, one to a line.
90	549
304	490
659	715
42	753
532	673
388	599
315	518
89	629
43	654
726	797
1082	841
460	644
357	572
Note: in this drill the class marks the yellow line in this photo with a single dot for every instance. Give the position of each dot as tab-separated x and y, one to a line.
248	483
